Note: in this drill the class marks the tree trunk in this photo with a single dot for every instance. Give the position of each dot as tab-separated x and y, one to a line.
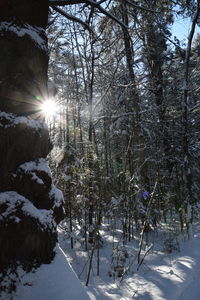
30	205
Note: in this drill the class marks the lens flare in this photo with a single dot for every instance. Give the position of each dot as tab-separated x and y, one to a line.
49	108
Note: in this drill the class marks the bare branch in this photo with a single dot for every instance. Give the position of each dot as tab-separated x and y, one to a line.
73	18
96	4
91	3
141	7
64	2
69	2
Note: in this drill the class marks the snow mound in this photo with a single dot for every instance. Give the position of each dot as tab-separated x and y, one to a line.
55	281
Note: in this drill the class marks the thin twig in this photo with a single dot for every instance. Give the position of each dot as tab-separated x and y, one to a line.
145	222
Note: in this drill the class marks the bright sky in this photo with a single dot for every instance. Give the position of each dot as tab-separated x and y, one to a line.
181	28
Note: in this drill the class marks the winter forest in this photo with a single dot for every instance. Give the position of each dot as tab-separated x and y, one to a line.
99	150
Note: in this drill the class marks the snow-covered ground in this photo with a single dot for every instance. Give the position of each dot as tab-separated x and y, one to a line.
170	276
55	281
163	275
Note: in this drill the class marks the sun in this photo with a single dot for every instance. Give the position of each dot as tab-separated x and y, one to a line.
49	108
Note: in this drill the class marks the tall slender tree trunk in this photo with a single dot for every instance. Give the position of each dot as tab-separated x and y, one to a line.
187	178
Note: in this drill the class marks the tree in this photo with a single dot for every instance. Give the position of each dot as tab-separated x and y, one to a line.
30	205
124	123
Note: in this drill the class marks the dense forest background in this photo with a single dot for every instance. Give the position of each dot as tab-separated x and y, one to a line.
126	134
125	130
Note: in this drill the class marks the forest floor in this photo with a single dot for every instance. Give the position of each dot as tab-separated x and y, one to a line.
170	270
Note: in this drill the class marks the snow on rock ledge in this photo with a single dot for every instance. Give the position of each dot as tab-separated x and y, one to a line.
34	167
25	140
13	120
14	204
37	34
39	165
37	175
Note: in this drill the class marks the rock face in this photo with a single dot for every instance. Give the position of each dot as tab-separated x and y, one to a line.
30	205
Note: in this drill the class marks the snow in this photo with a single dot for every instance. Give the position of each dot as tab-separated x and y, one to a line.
30	122
41	165
15	120
66	177
163	276
57	195
55	281
38	165
34	32
14	200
